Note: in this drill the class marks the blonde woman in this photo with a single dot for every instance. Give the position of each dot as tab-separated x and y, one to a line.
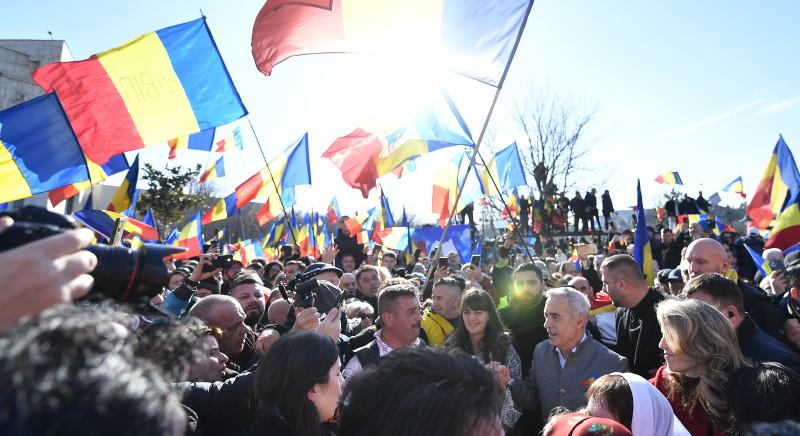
700	350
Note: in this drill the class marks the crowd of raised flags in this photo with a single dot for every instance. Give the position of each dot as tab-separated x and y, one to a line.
185	110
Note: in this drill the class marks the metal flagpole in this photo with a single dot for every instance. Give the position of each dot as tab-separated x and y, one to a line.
460	186
277	189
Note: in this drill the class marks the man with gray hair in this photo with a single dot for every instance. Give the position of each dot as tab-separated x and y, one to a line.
569	361
225	312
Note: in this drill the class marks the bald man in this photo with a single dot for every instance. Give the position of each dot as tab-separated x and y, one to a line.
706	255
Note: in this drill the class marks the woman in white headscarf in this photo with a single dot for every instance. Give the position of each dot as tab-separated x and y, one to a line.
635	403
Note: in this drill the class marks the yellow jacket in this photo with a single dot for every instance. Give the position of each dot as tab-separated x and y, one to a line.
436	327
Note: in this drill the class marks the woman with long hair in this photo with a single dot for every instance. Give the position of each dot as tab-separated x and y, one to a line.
297	386
701	351
481	334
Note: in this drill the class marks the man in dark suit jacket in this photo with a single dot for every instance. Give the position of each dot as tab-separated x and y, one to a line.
568	362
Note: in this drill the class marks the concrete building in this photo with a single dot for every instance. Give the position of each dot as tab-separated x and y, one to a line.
18	59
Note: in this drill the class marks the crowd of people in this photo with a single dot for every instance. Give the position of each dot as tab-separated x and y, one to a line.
365	342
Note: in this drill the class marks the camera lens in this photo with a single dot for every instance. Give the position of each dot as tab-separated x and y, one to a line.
130	275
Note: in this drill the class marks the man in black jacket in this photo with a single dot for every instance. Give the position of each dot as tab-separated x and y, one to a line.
706	255
578	210
638	331
608	207
524	315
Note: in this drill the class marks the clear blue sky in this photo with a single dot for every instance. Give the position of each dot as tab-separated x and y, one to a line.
703	88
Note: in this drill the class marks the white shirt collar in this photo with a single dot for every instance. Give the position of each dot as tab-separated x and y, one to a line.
562	359
384	348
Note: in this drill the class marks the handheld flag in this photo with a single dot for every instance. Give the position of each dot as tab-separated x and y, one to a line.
103	222
216	171
779	184
641	248
669	178
786	231
291	168
200	141
161	85
369	153
231	141
736	187
761	264
38	149
506	170
191	237
224	208
124	199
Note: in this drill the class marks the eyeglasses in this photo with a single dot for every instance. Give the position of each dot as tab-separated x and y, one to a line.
531	282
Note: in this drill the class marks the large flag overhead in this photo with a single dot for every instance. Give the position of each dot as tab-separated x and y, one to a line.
97	173
506	170
159	86
474	38
124	200
641	244
779	183
38	149
372	151
290	168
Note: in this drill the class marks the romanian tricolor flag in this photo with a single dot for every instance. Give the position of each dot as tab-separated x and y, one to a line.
372	151
786	231
200	141
759	261
159	86
250	251
641	248
736	186
265	213
191	237
97	173
231	141
333	212
445	188
394	238
103	222
224	208
474	38
505	169
779	183
38	150
289	169
124	199
669	178
217	171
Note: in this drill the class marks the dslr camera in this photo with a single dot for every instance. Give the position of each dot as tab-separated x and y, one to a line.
304	288
122	273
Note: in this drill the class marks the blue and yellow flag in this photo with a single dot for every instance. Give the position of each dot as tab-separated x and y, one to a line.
216	171
38	149
124	200
641	247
